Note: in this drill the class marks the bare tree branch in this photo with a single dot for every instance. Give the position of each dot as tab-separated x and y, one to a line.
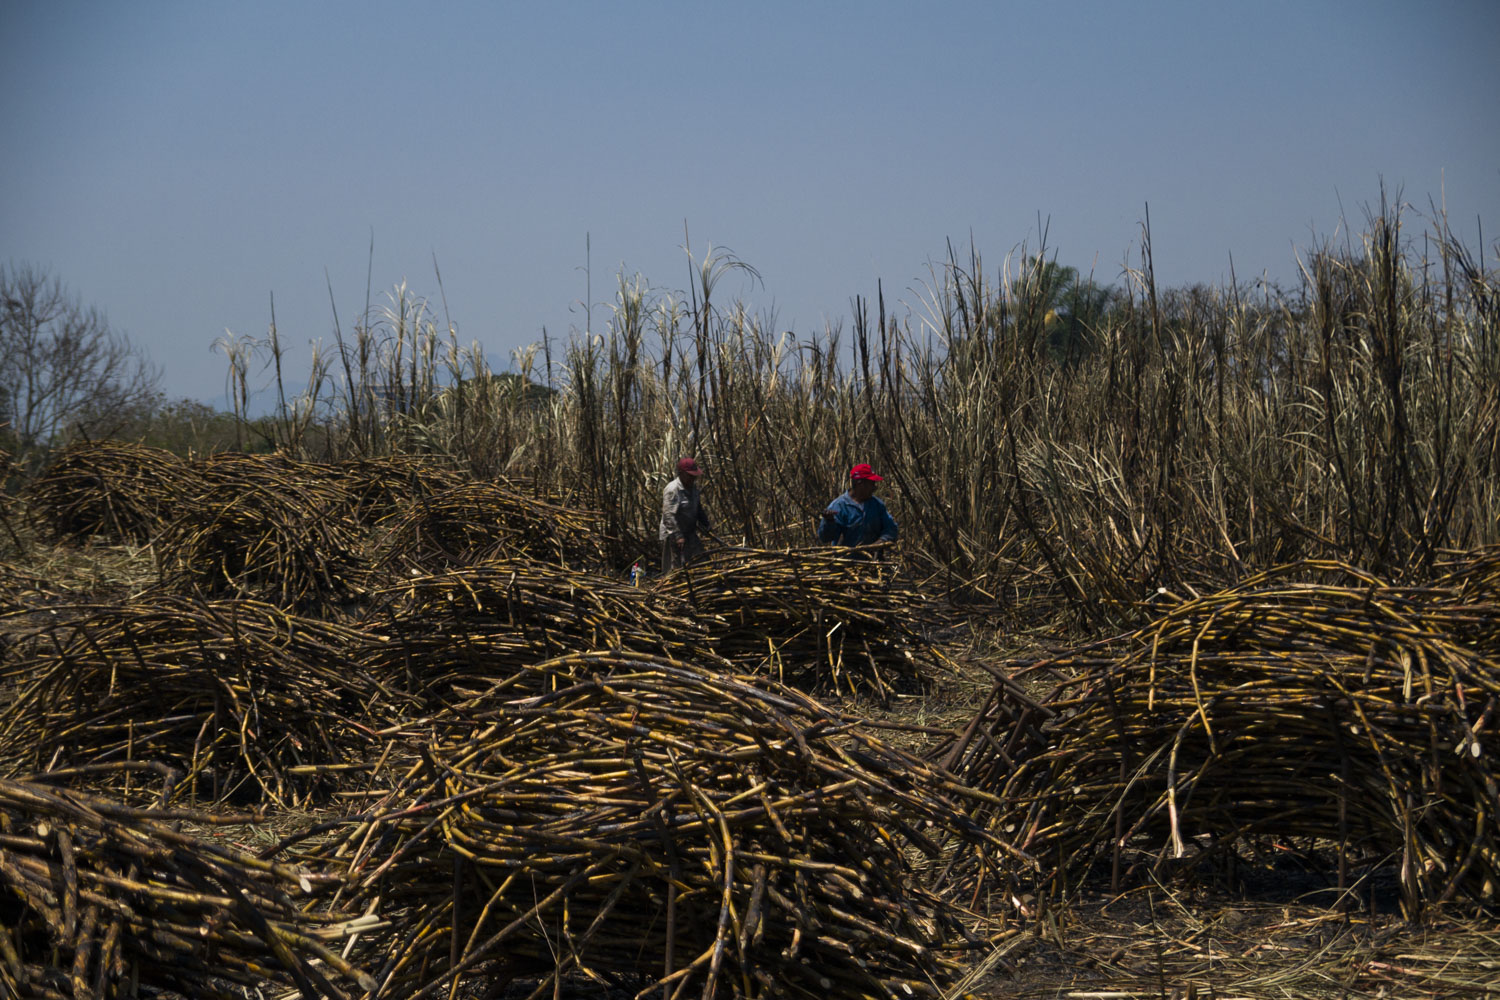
66	372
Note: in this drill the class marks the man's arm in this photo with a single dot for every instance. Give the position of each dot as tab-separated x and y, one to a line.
829	528
890	531
671	501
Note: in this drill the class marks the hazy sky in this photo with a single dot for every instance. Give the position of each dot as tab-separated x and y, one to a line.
178	163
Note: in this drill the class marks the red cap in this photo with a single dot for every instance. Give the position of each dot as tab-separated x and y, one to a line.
688	467
863	471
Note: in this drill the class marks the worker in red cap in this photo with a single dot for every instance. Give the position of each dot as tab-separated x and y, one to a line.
682	516
858	517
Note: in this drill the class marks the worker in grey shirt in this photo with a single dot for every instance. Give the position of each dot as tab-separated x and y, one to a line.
682	515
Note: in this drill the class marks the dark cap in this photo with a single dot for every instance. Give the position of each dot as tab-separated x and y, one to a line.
688	467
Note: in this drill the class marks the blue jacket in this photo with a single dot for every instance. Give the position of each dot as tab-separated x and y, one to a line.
857	524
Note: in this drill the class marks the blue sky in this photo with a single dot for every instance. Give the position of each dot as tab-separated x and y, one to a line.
178	163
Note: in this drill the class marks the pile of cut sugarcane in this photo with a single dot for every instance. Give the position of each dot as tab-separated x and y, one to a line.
102	899
1475	576
621	818
383	486
110	490
825	619
1310	707
264	530
466	627
250	703
477	522
638	820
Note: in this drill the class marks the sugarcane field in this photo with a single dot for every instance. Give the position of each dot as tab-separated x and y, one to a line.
1174	671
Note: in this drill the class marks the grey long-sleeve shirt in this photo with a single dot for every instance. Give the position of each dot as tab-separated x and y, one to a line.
682	511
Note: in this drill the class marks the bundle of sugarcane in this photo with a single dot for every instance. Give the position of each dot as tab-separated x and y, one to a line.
100	899
826	619
288	540
381	486
112	490
464	628
483	521
1475	579
627	817
280	471
1334	713
248	701
248	467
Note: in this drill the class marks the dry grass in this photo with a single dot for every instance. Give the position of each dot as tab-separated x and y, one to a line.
1150	944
